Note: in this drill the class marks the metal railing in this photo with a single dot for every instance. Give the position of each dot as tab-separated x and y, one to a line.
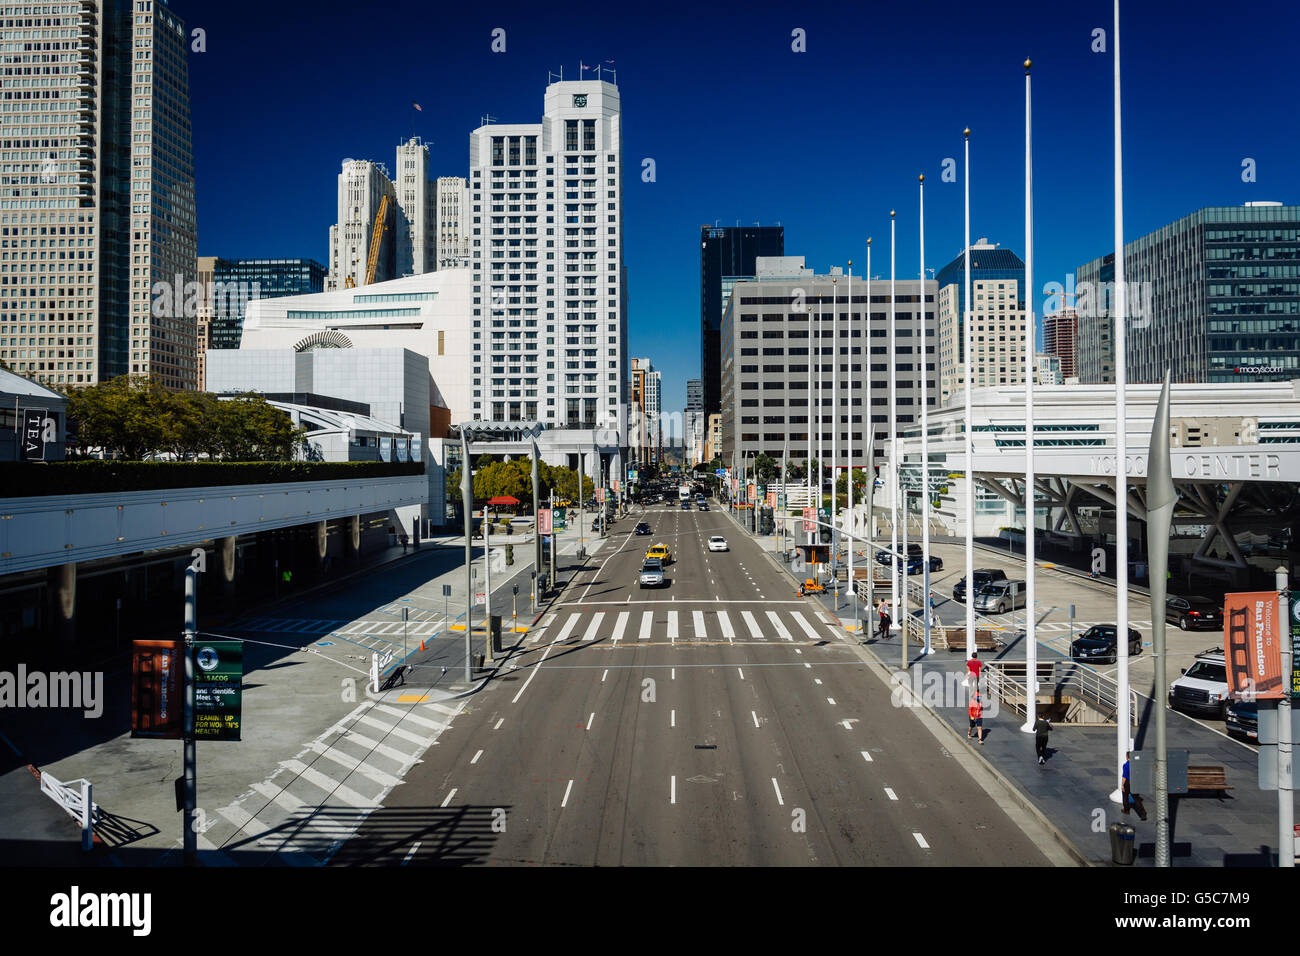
76	800
1062	678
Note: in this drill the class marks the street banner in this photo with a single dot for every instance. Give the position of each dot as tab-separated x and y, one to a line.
218	697
36	434
753	492
558	517
771	499
735	486
543	520
600	496
158	689
385	449
1252	647
417	448
614	485
400	445
809	519
1295	645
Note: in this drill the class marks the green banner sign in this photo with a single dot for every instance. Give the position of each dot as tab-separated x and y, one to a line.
218	699
1295	645
557	519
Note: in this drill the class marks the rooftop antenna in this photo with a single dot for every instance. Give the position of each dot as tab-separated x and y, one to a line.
487	118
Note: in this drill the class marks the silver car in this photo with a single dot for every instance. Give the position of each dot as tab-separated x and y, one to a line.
652	573
1000	597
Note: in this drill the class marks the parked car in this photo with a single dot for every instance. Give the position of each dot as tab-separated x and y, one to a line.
1097	645
1000	597
1241	720
1194	612
917	564
652	573
1203	688
642	528
982	577
913	551
717	543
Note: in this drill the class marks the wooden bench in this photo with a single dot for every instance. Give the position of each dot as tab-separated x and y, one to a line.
1207	777
955	639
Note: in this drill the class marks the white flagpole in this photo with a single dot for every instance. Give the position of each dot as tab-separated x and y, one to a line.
900	600
925	444
808	477
1124	742
848	451
835	430
970	435
820	483
1031	640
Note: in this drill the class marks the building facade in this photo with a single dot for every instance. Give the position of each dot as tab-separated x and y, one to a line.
693	422
417	198
997	319
362	186
777	339
97	176
1213	297
549	304
1060	338
727	254
452	238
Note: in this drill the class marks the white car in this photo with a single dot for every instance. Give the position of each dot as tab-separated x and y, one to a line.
717	543
652	573
1203	688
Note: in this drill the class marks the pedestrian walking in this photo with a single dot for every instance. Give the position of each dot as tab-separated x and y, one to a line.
976	711
973	667
884	621
1042	727
1129	797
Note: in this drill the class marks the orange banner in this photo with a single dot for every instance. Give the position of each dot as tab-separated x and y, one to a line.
1251	645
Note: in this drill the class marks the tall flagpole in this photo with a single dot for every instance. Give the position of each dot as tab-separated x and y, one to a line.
820	483
1124	742
808	476
848	451
1031	640
925	445
869	424
969	433
899	600
835	432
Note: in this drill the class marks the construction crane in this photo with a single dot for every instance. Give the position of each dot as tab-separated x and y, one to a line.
376	239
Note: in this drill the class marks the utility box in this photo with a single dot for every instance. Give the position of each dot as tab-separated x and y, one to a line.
1122	844
1142	772
494	632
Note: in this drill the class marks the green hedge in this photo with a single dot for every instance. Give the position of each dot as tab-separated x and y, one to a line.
22	480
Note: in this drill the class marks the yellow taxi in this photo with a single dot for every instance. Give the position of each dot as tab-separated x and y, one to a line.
661	552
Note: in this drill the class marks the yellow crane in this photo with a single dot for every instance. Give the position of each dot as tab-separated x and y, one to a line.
376	239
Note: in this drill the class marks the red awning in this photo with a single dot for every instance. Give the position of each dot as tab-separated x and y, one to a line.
503	500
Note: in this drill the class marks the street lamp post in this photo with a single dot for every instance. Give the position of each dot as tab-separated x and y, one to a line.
925	446
893	439
969	436
467	505
1031	639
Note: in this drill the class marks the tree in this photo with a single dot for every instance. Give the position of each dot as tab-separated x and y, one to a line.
765	468
859	485
794	472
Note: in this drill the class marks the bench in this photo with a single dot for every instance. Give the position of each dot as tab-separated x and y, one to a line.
955	639
1206	777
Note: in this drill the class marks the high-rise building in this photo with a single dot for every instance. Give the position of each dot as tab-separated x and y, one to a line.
727	254
362	185
772	325
1060	338
1047	369
549	304
98	167
417	198
693	422
997	319
1213	297
453	222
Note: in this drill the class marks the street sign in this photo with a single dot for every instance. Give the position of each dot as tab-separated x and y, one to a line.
1252	649
446	590
158	689
543	521
218	678
479	599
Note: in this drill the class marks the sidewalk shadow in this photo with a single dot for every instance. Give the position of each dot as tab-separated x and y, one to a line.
118	831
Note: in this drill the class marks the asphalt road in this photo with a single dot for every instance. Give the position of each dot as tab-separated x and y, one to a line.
720	720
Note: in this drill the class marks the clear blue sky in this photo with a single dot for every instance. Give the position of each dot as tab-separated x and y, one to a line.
743	129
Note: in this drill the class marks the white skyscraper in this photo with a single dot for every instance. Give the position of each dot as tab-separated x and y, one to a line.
361	187
453	222
416	197
548	306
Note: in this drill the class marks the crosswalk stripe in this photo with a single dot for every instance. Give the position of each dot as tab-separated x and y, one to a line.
621	624
392	753
672	625
569	625
404	715
354	764
336	790
805	625
780	628
537	635
399	732
594	626
725	623
750	622
698	619
647	618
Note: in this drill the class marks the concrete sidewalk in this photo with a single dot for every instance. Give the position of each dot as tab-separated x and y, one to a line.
1072	790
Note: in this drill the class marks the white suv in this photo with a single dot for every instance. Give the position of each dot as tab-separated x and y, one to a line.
1203	688
717	543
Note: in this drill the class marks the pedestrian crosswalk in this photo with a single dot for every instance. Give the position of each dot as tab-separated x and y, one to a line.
421	627
682	625
315	801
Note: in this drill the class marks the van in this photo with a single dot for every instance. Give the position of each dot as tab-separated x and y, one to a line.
999	597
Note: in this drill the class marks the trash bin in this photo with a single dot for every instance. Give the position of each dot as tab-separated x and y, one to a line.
1122	846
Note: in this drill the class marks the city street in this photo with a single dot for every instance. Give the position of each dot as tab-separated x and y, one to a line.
720	720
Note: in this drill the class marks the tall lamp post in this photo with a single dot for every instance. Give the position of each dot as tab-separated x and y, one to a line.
969	434
467	505
925	444
1031	637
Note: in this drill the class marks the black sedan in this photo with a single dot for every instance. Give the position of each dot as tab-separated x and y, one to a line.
642	528
1097	645
916	565
1194	612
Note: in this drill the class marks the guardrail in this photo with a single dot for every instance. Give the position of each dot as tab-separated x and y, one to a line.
75	799
1065	678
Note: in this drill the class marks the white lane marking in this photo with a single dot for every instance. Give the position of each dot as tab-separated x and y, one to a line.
780	628
646	618
847	725
410	853
697	618
594	626
672	625
890	794
797	651
742	672
569	625
778	792
549	618
806	625
591	720
921	840
565	801
474	759
449	796
866	756
817	680
536	668
752	624
725	623
497	725
604	675
672	718
806	664
621	625
672	789
831	701
672	674
537	635
755	716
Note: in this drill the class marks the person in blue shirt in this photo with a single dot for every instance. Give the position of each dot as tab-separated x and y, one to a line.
1129	797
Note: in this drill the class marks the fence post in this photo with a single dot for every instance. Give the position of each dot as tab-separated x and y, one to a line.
87	817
